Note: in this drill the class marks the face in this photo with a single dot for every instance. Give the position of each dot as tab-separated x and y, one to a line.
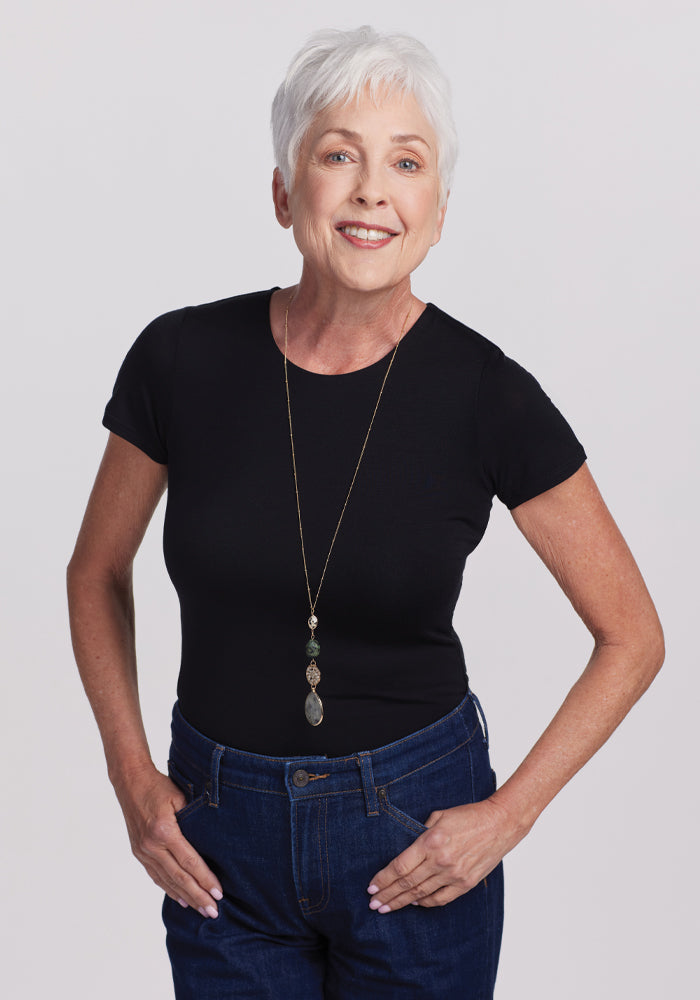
365	205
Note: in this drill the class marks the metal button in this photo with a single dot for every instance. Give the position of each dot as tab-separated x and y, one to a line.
300	778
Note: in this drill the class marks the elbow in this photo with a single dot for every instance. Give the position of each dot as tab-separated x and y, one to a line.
636	655
657	650
87	576
649	653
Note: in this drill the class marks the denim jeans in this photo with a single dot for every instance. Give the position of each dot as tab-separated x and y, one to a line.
295	842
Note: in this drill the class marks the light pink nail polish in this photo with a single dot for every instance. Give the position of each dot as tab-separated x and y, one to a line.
183	904
212	911
374	904
203	911
373	888
384	909
217	893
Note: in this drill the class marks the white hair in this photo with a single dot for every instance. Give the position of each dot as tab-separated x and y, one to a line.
336	66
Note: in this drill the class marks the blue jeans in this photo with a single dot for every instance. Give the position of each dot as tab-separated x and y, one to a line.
295	841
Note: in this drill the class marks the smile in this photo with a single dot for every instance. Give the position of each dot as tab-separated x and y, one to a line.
364	236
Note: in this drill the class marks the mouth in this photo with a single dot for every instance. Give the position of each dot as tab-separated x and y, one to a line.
365	235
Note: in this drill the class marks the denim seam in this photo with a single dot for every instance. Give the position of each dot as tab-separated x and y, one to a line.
325	873
396	814
188	762
191	807
295	826
430	762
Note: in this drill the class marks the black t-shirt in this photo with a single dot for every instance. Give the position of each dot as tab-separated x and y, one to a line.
202	389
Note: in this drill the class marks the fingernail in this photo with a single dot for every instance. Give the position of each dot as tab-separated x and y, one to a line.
183	904
414	903
373	888
384	909
212	910
375	904
203	911
217	893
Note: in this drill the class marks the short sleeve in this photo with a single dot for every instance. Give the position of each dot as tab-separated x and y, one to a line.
142	398
526	445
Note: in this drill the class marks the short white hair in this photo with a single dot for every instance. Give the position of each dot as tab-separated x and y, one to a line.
336	66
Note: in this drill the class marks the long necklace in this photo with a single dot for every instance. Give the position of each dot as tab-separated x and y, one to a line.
313	706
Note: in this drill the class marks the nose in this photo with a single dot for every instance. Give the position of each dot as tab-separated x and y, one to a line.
370	191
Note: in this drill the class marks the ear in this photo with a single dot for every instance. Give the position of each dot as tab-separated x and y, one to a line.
440	222
281	199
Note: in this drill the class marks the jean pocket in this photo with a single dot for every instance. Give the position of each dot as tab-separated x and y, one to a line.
387	807
193	788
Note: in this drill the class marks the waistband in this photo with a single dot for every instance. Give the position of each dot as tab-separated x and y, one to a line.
314	775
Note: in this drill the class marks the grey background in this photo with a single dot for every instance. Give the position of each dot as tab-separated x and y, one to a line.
138	181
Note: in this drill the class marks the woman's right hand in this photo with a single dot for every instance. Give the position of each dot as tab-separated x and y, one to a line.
128	487
149	803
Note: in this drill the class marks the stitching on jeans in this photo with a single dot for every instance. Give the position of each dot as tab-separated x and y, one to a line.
295	825
252	788
325	874
269	791
428	763
402	818
471	773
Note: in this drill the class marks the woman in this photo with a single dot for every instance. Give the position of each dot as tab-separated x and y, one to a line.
331	452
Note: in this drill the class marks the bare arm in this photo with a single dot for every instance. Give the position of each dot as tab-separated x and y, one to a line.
574	534
100	597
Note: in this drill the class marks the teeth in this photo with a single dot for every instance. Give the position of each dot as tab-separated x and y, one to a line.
366	234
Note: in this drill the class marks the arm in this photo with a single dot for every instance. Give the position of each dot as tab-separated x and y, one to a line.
100	597
572	531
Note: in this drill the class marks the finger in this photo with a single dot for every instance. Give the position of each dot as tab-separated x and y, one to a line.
174	864
445	894
412	894
191	862
408	886
400	867
182	888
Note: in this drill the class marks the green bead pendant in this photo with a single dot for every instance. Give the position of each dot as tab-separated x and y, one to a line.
313	647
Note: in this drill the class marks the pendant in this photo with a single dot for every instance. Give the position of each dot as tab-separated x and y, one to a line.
313	709
313	706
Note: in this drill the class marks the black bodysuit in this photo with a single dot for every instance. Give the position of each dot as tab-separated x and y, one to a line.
202	389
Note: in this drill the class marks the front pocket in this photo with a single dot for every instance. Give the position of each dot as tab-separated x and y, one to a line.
442	783
397	814
187	788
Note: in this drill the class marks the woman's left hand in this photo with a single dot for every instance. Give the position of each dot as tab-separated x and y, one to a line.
459	848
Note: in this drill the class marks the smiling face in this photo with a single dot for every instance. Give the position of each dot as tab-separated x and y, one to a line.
365	205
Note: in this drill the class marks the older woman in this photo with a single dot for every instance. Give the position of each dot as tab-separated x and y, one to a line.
331	452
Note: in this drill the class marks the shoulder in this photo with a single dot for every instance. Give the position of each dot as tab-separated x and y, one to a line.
220	314
498	374
249	308
451	335
199	327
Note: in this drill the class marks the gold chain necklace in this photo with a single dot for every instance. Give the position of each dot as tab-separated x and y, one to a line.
313	706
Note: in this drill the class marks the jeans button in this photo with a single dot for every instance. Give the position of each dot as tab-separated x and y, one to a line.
300	778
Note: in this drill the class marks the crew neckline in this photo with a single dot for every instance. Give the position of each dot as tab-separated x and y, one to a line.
415	327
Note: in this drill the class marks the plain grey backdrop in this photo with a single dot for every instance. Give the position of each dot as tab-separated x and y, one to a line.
138	181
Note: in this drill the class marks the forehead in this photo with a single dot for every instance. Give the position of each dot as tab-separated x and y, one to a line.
391	116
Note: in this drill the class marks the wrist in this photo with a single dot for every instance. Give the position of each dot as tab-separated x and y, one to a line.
126	774
519	816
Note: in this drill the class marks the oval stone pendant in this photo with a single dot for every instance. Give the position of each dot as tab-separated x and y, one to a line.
313	708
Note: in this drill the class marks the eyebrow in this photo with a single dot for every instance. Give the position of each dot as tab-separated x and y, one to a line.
356	137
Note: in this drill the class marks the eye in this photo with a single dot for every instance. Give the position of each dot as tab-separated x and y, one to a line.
408	166
340	156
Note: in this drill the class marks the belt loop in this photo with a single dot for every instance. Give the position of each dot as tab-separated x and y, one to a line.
364	759
482	717
213	783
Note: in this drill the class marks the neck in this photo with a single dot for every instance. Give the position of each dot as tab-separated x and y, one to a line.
334	330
